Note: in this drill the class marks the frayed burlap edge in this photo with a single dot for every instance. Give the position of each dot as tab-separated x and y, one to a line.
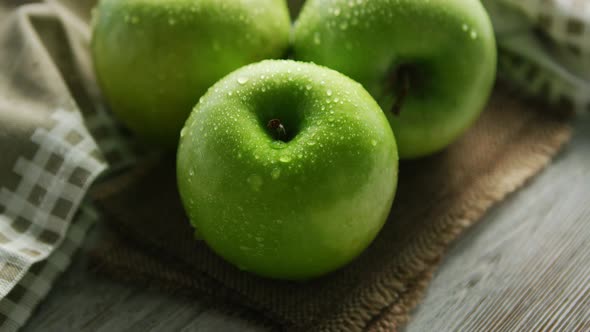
383	309
423	259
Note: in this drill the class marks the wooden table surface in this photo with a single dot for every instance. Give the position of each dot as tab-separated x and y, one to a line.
524	267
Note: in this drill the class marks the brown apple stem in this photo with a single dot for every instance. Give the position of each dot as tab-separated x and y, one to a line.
402	89
278	130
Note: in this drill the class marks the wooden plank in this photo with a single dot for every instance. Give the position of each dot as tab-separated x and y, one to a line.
526	266
81	301
212	320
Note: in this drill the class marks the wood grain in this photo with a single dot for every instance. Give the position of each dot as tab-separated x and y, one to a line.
525	267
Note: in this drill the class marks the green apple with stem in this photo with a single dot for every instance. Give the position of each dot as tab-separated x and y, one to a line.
430	64
287	169
155	58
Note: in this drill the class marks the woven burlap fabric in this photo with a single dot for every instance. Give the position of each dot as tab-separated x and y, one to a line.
438	198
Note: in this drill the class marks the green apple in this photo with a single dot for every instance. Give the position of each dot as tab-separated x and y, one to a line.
430	64
287	169
155	58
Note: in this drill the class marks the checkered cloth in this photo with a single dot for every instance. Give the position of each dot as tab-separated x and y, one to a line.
56	137
545	49
17	305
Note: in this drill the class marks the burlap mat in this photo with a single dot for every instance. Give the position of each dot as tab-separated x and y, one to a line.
438	198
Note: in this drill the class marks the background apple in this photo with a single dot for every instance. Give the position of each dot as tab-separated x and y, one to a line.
429	63
287	169
155	58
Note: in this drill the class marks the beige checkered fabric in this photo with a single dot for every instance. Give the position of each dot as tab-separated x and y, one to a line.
545	48
17	305
56	137
48	156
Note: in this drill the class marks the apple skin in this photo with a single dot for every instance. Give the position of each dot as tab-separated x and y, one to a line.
155	58
449	44
295	209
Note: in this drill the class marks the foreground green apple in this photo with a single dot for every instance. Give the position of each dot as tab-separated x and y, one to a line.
155	58
287	169
429	63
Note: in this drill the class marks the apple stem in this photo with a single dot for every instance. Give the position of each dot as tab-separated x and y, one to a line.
278	130
402	90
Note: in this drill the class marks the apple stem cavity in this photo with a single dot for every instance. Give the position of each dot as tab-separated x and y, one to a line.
402	88
277	129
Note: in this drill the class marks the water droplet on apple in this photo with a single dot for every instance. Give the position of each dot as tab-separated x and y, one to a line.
343	26
285	158
311	143
255	182
308	87
276	173
373	142
278	145
316	38
182	132
473	34
337	12
464	27
243	80
171	21
329	92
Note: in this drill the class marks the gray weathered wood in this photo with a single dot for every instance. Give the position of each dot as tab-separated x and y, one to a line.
525	267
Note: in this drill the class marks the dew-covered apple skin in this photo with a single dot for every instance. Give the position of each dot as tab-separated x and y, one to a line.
155	58
449	43
295	209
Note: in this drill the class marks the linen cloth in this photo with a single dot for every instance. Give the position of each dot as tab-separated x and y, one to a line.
57	135
545	49
56	138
